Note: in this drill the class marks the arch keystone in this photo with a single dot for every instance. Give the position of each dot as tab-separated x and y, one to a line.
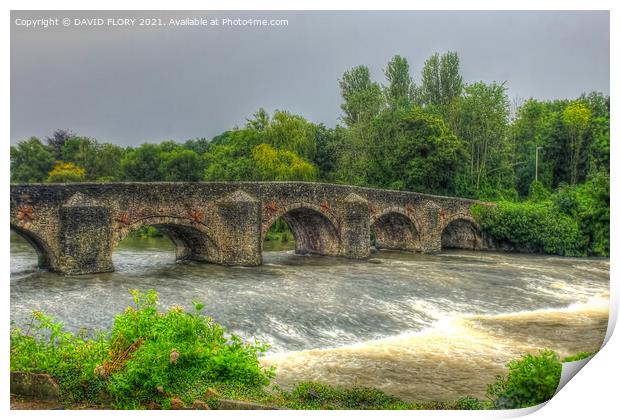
80	200
238	196
356	199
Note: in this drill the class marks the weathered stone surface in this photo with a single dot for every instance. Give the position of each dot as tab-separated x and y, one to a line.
75	227
200	405
39	386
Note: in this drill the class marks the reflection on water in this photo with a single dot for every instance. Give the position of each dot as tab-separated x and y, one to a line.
418	326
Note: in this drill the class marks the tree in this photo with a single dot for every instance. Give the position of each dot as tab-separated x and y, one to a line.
291	132
229	157
441	80
576	117
483	122
31	161
260	120
410	148
142	164
57	140
199	145
362	97
66	172
281	165
182	165
400	84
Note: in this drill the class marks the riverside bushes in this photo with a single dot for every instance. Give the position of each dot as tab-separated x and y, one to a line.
574	221
531	380
536	226
149	356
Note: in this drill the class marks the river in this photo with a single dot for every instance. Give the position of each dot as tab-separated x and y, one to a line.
422	327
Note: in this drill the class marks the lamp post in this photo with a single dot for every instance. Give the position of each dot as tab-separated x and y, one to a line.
537	149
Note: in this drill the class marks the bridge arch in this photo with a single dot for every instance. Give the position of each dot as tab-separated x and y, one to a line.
462	232
189	237
44	252
394	229
316	231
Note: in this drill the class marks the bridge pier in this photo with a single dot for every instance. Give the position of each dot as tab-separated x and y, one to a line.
238	228
356	228
85	240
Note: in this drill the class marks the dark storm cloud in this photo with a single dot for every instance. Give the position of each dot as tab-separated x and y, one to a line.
129	85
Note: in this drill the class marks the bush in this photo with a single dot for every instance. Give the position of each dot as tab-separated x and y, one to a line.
535	226
531	380
469	403
66	172
148	356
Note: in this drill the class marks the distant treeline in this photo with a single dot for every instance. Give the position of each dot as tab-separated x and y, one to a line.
438	136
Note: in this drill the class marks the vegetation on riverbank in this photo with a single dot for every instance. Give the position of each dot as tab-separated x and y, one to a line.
154	359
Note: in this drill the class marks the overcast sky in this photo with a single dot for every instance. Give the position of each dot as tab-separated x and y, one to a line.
135	84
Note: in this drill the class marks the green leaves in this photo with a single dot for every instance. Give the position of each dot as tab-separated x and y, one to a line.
146	351
531	380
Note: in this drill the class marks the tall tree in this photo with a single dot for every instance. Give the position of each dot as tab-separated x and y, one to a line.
483	122
362	97
400	84
576	117
441	80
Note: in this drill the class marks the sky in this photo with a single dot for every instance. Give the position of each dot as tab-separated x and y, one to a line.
129	84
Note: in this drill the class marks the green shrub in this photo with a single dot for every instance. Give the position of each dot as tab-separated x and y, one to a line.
535	226
531	380
149	355
469	403
145	232
312	395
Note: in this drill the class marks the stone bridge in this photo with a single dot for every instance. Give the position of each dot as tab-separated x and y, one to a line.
75	227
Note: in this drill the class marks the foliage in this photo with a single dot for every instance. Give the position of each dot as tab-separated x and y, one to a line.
181	165
534	226
400	84
482	124
410	146
281	165
312	395
576	117
579	356
31	161
589	204
362	97
441	81
66	172
469	403
45	347
142	164
531	380
148	355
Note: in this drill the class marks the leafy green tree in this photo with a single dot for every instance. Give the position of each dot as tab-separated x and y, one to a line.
57	140
362	97
576	117
182	165
31	161
410	148
142	164
281	165
400	84
291	132
441	80
229	157
260	120
66	172
199	145
328	147
483	123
